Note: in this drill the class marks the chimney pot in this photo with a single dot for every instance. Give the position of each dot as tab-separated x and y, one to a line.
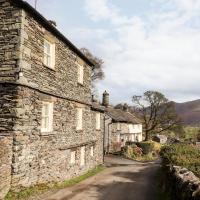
105	101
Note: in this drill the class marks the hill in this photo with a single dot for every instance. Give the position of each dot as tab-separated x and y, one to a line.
189	112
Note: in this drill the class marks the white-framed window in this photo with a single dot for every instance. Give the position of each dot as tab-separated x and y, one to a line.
82	156
79	125
118	138
92	150
118	127
98	121
131	128
80	73
49	54
72	157
133	137
47	117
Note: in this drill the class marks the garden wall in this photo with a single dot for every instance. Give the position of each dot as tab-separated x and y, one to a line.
182	184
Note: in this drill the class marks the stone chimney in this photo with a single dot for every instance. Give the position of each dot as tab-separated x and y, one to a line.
53	23
105	101
125	107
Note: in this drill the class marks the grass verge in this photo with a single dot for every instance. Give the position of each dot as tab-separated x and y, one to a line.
26	193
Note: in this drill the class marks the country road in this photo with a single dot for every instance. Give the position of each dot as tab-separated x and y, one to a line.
122	180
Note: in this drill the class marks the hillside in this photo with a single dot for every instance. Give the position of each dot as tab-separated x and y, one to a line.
189	112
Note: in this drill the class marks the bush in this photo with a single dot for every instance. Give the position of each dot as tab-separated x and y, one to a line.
149	147
182	155
132	151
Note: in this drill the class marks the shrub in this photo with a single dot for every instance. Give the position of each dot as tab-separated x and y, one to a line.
149	147
133	151
182	155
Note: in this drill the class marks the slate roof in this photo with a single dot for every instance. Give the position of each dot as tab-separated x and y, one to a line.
46	24
98	107
119	115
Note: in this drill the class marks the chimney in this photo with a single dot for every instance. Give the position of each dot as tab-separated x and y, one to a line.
105	101
94	99
125	107
53	23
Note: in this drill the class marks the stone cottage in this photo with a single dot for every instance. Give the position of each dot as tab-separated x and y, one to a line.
121	126
49	129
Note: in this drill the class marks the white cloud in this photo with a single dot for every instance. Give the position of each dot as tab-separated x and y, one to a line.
159	51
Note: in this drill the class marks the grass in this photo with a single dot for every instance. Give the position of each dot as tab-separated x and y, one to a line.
26	193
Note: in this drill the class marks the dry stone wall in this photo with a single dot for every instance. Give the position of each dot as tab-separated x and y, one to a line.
181	183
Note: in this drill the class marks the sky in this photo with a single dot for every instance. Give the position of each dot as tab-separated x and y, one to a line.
145	44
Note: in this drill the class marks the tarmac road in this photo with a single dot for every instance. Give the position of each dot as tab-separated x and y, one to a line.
122	180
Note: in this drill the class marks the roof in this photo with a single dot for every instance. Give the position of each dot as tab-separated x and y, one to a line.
119	115
41	19
97	107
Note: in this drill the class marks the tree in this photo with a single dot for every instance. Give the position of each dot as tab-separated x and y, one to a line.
156	111
97	72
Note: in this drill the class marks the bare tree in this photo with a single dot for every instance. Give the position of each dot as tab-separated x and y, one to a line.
156	111
97	73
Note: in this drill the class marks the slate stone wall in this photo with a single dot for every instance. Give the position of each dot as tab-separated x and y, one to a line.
62	80
181	184
10	25
39	158
5	164
33	157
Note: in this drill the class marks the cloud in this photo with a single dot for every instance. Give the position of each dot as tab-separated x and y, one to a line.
155	52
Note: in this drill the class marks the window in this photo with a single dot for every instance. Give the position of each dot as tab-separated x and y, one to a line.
47	117
49	54
80	73
83	156
118	127
79	119
73	157
133	138
131	128
118	138
92	151
98	121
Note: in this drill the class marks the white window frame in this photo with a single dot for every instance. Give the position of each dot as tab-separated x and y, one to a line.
118	138
118	126
80	73
79	125
47	117
98	121
49	57
82	156
92	151
131	128
72	156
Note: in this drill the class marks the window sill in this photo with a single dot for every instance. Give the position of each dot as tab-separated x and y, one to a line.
52	69
80	84
46	133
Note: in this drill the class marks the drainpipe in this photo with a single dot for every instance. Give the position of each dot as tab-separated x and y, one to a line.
104	135
109	137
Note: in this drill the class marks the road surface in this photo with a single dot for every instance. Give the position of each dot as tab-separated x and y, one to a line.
122	180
